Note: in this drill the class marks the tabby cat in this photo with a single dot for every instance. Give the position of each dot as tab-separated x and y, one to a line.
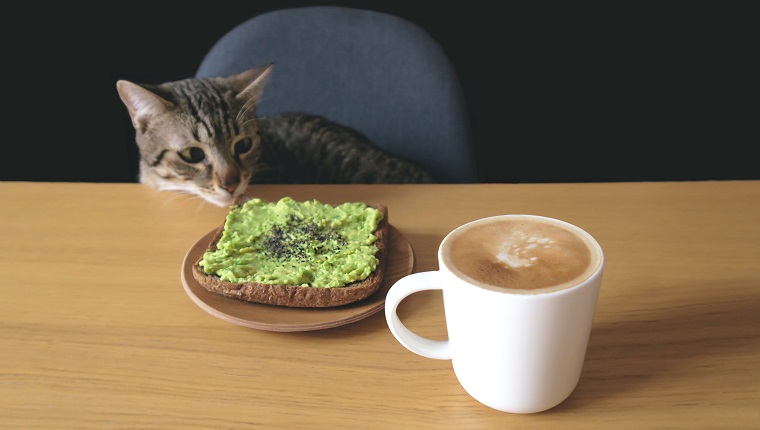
202	136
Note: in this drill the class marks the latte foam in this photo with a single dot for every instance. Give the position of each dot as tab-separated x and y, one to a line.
521	253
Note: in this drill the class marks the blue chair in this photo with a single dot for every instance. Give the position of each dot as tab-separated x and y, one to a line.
375	72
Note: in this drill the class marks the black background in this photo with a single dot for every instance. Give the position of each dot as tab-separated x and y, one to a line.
556	92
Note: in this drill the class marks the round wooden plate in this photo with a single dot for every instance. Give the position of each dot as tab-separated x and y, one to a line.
280	318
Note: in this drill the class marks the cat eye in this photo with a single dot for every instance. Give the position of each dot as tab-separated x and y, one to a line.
242	146
192	154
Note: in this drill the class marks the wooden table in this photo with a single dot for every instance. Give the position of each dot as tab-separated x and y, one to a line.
98	332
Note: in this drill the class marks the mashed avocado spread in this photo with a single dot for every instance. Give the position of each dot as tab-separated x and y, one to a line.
309	243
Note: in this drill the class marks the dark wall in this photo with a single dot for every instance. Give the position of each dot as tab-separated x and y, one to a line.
555	93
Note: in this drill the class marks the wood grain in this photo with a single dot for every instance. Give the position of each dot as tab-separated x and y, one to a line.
97	331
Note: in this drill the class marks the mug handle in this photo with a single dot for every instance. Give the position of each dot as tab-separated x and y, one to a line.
410	284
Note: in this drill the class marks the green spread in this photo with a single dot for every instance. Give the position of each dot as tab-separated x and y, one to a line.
309	243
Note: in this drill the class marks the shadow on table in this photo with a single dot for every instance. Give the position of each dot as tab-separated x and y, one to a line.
662	342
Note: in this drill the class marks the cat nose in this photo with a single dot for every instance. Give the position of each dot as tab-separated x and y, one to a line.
228	182
231	186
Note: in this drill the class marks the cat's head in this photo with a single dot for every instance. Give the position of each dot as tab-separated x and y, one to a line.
197	135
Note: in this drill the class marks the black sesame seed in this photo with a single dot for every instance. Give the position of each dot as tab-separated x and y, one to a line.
292	241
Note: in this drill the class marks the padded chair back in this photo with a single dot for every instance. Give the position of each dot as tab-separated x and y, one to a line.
378	73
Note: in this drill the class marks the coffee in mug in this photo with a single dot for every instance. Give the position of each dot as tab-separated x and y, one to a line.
521	254
519	295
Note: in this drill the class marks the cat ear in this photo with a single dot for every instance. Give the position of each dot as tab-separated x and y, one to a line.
248	84
143	105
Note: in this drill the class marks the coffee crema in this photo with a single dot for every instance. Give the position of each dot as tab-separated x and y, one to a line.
521	253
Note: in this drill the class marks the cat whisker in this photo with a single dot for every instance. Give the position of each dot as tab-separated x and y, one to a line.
250	103
247	121
201	204
256	118
175	195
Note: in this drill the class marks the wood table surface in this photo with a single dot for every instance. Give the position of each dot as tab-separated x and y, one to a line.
98	332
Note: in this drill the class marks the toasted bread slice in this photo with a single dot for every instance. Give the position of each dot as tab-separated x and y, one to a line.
295	295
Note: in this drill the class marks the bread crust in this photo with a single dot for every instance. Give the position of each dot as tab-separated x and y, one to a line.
295	295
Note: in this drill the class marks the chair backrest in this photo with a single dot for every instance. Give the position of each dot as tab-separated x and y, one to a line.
378	73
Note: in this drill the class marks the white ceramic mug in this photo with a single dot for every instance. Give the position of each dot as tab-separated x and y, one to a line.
518	350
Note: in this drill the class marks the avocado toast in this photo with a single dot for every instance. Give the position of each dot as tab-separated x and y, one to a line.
297	254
